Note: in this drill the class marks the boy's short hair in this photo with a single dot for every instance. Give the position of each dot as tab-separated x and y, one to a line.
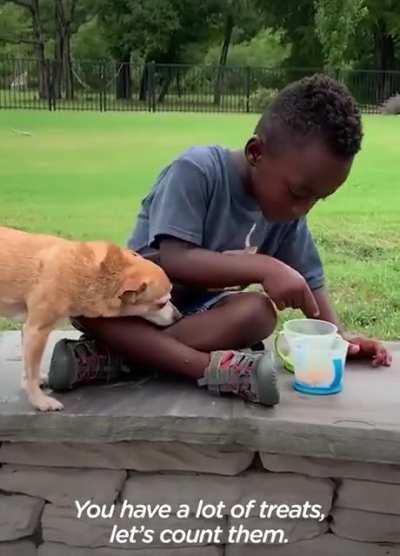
316	106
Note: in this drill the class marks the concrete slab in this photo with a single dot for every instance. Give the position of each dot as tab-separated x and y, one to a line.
359	424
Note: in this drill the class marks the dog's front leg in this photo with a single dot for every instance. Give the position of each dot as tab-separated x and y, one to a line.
35	338
23	377
43	375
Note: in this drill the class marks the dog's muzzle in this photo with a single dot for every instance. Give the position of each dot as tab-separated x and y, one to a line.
165	316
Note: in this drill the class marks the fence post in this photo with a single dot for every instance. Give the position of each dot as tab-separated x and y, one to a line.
248	70
152	86
104	86
147	85
51	65
48	82
103	92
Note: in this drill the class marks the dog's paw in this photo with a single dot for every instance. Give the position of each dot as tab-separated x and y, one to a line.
46	403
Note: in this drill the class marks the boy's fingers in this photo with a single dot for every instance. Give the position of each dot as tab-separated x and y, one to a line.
377	361
310	305
382	357
353	349
385	357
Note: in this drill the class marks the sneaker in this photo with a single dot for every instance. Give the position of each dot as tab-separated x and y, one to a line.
83	361
252	376
259	346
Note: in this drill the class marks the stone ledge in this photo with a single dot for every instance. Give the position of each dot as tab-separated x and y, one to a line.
138	456
277	488
369	496
366	526
55	549
19	548
60	525
19	516
327	545
295	530
354	425
332	468
63	486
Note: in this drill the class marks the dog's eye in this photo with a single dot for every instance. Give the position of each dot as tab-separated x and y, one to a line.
161	304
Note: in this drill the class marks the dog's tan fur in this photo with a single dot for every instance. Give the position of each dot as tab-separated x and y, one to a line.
44	279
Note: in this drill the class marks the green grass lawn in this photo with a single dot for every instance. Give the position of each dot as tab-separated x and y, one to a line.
83	175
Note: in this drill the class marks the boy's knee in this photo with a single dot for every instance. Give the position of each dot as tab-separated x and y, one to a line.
257	314
260	309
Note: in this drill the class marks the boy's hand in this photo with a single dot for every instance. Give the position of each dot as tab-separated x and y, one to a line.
362	348
288	289
186	263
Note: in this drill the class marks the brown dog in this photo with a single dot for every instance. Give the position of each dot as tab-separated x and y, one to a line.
44	279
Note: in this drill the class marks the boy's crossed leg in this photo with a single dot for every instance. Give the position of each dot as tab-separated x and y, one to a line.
185	348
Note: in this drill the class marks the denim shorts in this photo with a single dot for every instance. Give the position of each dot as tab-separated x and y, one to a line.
199	305
204	302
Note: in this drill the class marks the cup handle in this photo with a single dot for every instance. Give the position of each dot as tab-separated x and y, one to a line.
286	362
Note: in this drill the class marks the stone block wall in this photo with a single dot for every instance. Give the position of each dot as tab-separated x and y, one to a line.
40	481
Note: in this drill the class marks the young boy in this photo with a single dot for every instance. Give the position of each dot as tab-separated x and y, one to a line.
206	216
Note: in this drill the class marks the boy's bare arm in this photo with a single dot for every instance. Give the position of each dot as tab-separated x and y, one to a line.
189	264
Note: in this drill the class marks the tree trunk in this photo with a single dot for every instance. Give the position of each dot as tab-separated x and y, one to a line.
43	73
39	44
67	70
43	82
64	14
58	56
229	25
124	77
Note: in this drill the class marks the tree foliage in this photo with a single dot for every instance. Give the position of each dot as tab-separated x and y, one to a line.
336	23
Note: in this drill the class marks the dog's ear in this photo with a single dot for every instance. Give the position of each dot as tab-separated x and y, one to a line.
113	261
132	286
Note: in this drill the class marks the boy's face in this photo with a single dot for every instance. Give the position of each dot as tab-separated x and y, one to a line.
287	185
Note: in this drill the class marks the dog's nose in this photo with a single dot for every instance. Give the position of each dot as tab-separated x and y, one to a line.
177	315
169	313
165	316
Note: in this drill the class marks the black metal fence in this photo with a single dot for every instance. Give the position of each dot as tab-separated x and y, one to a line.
108	85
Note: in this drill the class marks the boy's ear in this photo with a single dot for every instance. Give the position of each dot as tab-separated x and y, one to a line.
253	150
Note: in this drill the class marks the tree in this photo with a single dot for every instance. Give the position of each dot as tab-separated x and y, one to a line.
267	48
64	13
194	21
340	32
297	20
135	25
89	42
336	24
36	39
229	24
384	21
233	13
14	26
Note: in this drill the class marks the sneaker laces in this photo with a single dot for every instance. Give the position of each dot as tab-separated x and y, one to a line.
232	372
93	364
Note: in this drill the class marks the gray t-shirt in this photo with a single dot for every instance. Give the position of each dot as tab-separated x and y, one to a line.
200	198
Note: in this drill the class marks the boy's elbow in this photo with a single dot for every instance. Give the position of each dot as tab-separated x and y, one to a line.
172	258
